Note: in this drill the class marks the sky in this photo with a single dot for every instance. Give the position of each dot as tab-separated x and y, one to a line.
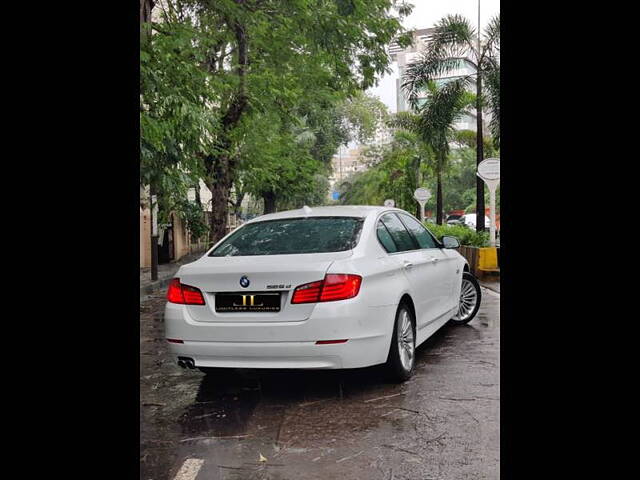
424	15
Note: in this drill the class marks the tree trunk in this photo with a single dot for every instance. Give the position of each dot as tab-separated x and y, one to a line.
269	202
221	168
196	189
418	181
237	206
146	6
219	182
439	196
479	156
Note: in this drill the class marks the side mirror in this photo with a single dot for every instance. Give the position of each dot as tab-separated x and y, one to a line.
450	242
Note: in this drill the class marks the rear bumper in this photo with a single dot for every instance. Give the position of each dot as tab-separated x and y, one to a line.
286	344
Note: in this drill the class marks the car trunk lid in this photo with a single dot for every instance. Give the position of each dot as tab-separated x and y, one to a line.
266	274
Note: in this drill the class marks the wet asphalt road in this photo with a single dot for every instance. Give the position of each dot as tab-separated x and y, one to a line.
442	424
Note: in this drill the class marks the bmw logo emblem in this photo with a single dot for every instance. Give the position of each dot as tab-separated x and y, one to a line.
244	281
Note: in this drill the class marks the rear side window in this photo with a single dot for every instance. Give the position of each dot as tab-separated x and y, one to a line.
292	236
385	238
399	233
423	237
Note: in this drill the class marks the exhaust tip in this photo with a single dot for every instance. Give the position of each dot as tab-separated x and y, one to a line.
186	362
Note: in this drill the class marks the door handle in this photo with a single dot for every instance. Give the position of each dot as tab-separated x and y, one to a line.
434	260
407	265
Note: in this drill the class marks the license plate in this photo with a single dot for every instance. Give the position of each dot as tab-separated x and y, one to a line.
247	302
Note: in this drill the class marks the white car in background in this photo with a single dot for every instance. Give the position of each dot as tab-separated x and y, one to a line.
328	287
469	220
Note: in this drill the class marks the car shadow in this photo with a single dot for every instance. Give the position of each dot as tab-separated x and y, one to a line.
227	398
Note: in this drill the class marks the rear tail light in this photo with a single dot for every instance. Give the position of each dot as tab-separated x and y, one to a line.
308	293
174	294
339	287
184	294
334	287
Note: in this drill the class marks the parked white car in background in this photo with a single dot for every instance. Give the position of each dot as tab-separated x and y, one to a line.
328	287
469	220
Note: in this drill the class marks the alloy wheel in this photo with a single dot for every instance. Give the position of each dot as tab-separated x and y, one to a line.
468	300
406	345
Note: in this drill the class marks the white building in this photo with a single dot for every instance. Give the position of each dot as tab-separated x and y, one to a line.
402	57
346	162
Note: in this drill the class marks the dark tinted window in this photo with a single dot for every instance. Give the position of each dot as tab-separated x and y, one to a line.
400	235
424	238
291	236
385	239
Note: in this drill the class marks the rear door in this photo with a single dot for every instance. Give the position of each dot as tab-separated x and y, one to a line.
417	268
442	264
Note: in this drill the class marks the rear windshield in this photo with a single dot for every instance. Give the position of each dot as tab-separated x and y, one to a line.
292	236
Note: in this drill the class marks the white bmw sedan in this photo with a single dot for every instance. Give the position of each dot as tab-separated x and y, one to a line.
328	287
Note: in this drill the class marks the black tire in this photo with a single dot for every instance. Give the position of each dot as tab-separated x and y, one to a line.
468	277
395	368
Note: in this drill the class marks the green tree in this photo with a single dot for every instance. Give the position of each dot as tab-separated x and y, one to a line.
394	172
453	45
175	119
362	115
434	124
410	122
277	164
467	138
264	50
287	153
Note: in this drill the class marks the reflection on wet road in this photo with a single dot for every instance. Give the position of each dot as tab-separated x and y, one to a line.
442	424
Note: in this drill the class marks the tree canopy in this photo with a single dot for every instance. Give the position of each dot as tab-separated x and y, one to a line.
216	74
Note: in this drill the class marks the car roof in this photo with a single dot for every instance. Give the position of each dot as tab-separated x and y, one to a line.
332	211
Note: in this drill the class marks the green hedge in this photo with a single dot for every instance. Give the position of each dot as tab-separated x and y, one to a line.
465	235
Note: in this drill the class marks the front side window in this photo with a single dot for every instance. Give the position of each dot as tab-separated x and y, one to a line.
402	238
292	236
424	238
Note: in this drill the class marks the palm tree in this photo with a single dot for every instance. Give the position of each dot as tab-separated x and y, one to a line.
437	116
410	122
453	45
434	125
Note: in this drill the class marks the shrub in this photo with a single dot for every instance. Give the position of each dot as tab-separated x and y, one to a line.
465	235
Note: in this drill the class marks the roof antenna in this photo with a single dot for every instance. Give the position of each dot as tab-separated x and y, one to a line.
306	210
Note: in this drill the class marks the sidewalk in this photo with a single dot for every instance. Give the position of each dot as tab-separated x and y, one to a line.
491	284
166	271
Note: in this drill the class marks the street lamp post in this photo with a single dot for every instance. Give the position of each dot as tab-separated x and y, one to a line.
422	195
489	171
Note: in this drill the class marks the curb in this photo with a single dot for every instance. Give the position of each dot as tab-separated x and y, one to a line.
488	287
